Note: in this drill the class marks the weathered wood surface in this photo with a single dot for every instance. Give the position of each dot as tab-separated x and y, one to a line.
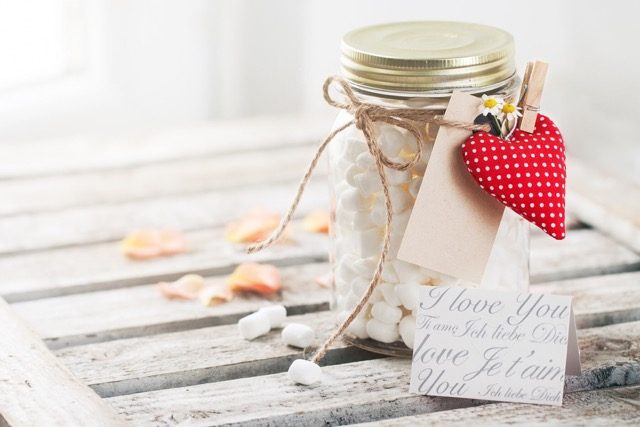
36	389
607	203
583	253
218	353
103	223
598	408
600	300
162	362
195	356
142	310
106	315
355	392
143	182
44	158
101	266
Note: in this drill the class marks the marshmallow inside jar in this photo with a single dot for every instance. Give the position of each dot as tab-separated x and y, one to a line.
413	65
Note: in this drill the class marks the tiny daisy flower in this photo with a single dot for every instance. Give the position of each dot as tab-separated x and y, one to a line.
491	105
511	112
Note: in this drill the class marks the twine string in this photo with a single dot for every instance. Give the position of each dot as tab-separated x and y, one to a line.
365	116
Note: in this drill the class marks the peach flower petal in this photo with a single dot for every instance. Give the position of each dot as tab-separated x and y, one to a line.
214	295
152	243
316	222
256	225
187	287
250	277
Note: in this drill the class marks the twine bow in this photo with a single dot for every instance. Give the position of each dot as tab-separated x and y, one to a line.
365	117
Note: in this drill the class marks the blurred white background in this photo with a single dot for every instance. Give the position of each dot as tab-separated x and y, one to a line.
101	67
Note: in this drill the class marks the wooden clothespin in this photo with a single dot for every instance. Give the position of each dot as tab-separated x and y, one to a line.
531	93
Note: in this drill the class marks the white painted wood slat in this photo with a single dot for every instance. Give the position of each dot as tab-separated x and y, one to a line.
597	408
101	266
138	311
605	202
36	389
352	392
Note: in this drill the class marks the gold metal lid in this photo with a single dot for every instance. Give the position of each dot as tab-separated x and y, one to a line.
427	56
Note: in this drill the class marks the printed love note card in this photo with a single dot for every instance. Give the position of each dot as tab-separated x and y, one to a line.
492	345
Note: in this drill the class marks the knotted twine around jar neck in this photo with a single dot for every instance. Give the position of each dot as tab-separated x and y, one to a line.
365	117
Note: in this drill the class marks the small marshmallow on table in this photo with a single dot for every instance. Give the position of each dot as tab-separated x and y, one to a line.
260	323
295	334
304	372
254	325
276	313
298	335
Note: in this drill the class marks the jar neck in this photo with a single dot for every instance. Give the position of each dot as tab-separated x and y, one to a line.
434	100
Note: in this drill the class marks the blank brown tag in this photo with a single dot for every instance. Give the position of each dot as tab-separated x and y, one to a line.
454	222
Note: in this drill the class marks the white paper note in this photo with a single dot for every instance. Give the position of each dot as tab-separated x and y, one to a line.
491	345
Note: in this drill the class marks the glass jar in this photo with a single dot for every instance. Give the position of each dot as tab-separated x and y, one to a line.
411	65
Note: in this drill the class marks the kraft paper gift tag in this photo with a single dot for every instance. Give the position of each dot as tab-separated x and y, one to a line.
453	223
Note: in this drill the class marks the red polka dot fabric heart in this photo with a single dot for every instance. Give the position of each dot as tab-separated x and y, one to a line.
526	173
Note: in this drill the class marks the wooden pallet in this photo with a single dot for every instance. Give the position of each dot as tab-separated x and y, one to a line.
88	340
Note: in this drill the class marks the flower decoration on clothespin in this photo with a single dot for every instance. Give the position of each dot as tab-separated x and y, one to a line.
521	161
500	114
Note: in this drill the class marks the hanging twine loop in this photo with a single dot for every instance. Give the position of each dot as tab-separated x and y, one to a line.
365	117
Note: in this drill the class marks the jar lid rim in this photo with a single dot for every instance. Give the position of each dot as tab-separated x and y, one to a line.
427	55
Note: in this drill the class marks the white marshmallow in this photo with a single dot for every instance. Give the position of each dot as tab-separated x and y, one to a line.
398	226
391	140
353	147
254	325
379	214
369	242
386	313
401	200
365	161
407	328
407	272
298	335
367	183
358	328
389	273
340	167
304	372
362	221
408	294
396	177
359	285
351	300
350	174
376	296
344	268
388	292
383	332
276	313
352	200
364	267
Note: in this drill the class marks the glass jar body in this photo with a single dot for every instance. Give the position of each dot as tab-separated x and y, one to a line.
387	324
